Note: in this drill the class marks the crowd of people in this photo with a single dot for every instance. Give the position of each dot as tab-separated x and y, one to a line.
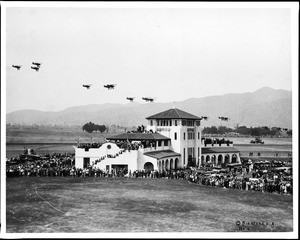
56	164
271	182
63	165
123	144
87	146
135	145
216	141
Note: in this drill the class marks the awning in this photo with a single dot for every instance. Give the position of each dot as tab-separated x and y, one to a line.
162	154
138	136
207	150
233	164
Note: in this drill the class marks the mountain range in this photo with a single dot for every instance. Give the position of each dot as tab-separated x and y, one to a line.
264	107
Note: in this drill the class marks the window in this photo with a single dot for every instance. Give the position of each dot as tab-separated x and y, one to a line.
191	135
258	154
175	136
198	123
108	146
175	122
190	123
183	122
198	152
198	135
151	122
170	123
183	136
166	143
159	143
184	156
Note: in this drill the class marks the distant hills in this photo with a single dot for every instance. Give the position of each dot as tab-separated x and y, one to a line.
264	107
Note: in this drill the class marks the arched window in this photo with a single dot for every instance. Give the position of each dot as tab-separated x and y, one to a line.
220	158
234	158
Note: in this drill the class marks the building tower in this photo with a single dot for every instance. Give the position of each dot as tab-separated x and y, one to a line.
184	131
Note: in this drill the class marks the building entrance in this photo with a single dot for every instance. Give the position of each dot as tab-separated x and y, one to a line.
148	166
86	162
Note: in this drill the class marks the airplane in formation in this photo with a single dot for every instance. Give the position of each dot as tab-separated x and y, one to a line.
110	86
87	86
130	99
37	64
36	68
147	99
224	119
17	66
204	117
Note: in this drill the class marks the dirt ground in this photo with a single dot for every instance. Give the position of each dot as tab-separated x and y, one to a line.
93	205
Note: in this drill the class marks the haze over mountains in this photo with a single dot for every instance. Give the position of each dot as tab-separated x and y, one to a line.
264	107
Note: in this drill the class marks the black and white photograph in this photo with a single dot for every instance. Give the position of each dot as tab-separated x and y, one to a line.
149	119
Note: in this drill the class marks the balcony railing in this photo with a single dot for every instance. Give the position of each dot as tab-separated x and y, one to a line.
150	149
217	145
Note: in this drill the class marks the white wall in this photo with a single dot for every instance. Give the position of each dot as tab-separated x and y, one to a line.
126	158
98	152
94	153
142	159
134	159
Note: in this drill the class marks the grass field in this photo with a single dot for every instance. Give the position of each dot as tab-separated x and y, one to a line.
58	204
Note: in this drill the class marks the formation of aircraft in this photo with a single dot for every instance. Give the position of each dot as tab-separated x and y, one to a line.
37	64
130	99
147	99
110	86
224	119
17	66
87	86
35	68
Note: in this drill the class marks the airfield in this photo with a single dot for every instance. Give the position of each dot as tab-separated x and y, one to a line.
94	205
63	205
61	139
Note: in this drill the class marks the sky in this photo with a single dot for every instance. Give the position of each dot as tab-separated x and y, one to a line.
170	54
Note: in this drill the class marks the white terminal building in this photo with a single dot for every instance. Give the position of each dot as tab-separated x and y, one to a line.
172	140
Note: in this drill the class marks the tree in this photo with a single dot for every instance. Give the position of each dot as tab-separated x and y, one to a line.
91	127
102	128
243	130
223	129
274	131
265	131
213	130
256	131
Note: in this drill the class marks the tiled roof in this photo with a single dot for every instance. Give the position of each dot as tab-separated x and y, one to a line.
174	113
162	154
138	136
206	150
